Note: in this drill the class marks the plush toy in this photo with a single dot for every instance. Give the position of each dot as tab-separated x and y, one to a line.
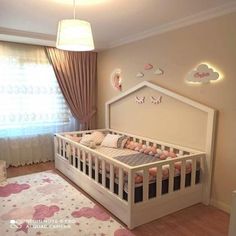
138	147
165	171
165	152
143	148
138	179
171	154
163	156
148	150
131	145
153	171
178	165
153	151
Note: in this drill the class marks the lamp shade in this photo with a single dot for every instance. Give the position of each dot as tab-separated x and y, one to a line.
74	35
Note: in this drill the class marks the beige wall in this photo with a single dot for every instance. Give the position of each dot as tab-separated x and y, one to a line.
171	121
176	52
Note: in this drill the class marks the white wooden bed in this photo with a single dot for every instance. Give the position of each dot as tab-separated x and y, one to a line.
87	168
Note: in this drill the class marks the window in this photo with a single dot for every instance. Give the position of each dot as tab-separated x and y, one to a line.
30	99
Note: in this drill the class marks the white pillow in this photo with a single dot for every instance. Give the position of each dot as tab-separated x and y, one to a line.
110	140
97	137
86	140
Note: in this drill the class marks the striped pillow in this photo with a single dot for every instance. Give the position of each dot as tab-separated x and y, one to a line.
86	140
122	141
97	137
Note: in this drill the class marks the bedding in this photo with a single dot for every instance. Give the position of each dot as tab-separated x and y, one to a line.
135	158
111	140
97	137
86	140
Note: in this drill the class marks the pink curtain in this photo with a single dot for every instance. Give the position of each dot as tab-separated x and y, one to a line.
76	75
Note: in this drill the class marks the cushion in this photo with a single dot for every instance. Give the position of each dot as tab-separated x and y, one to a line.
111	140
86	140
97	137
122	141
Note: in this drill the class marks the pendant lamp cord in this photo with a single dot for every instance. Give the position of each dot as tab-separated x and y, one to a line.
74	9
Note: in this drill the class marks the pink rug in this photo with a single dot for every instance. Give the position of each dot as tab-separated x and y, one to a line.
45	204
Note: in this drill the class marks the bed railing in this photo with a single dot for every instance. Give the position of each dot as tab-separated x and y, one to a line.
112	174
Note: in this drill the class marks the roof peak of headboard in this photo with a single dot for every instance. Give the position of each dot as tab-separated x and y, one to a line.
164	91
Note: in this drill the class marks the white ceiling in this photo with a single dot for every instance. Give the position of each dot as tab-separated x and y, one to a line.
114	22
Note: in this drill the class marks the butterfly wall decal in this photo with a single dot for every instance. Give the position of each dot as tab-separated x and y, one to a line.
139	100
156	100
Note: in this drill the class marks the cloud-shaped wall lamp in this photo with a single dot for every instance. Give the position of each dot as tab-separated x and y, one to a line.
202	74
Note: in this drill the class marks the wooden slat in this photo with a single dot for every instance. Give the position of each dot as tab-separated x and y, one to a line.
59	140
103	173
84	161
78	157
121	181
130	188
171	177
74	152
90	165
159	181
64	148
193	173
96	168
55	145
145	184
111	178
183	173
69	152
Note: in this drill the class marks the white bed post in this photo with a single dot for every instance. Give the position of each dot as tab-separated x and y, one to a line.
210	139
131	184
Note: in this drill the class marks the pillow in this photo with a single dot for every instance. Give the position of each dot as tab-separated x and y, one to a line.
97	137
131	145
110	140
86	140
122	141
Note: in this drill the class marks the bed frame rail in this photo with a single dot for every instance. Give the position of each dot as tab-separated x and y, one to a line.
107	178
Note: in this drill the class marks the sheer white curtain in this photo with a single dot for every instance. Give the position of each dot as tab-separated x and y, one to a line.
32	107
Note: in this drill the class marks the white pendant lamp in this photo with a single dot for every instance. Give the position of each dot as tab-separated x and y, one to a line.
74	35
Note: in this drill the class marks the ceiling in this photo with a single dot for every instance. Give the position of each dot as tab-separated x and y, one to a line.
114	22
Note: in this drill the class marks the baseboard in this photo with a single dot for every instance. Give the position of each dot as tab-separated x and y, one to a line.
220	205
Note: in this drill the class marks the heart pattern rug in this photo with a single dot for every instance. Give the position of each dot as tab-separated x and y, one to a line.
46	204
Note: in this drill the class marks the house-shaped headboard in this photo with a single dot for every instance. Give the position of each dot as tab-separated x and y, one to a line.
176	119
